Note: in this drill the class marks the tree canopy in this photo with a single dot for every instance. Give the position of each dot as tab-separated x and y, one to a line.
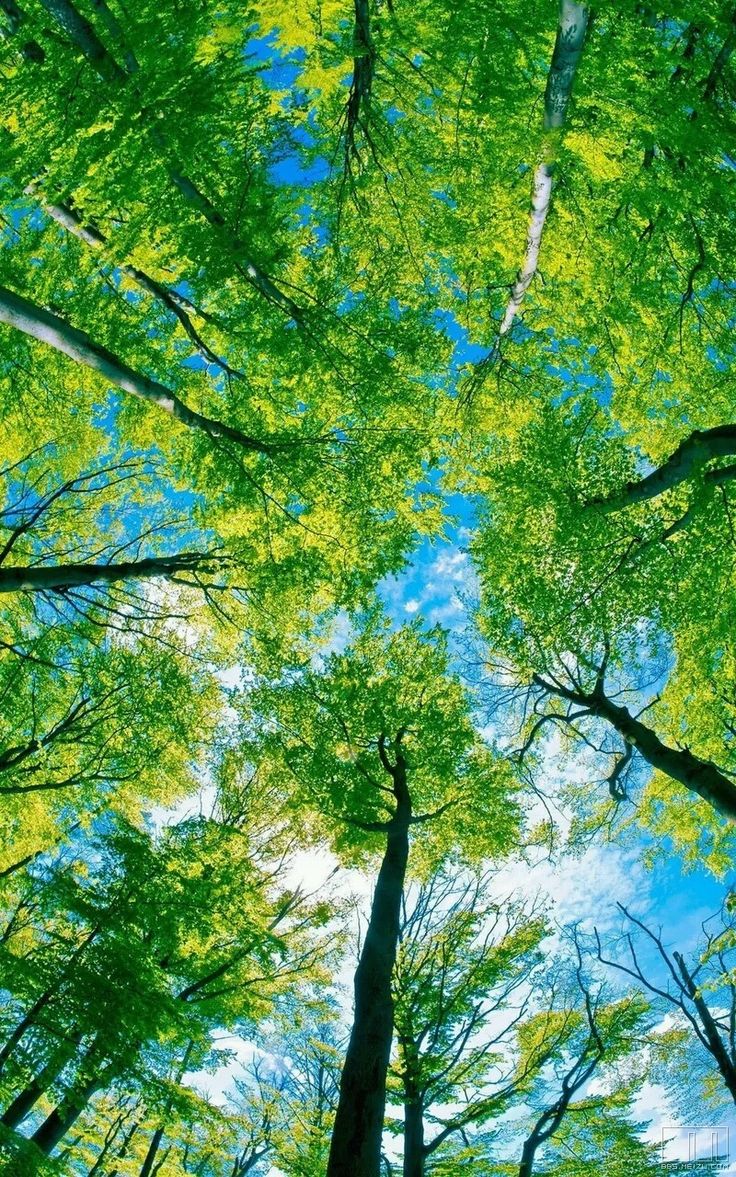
366	551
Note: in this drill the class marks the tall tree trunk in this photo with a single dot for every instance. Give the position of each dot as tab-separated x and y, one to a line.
414	1152
16	18
721	60
699	776
169	299
26	1022
43	999
528	1153
41	578
147	1168
355	1149
571	29
150	1156
573	24
55	332
81	32
723	1059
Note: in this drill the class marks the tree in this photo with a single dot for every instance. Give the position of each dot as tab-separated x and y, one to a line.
684	986
380	743
464	961
271	294
120	963
603	1034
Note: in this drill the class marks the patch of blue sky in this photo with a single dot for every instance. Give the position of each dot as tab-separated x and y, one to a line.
349	301
435	586
577	382
293	171
392	115
279	71
20	209
440	194
184	289
198	363
465	351
719	362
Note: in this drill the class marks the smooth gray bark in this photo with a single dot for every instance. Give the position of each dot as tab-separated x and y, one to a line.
55	332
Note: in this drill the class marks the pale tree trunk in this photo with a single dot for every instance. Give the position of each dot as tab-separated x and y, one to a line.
571	30
169	299
84	37
55	332
566	55
78	28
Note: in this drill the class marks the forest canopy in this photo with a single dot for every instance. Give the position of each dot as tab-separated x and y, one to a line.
367	610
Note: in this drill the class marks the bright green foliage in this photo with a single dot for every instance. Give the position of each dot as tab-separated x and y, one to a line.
135	953
318	739
460	986
263	250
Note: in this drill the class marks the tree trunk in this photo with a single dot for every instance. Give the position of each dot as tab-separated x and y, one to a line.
87	41
25	1023
123	1150
699	776
414	1152
43	999
16	18
54	577
55	332
571	29
573	24
26	1099
153	1148
528	1153
169	300
65	1116
110	1138
78	28
716	1047
355	1149
692	453
721	60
